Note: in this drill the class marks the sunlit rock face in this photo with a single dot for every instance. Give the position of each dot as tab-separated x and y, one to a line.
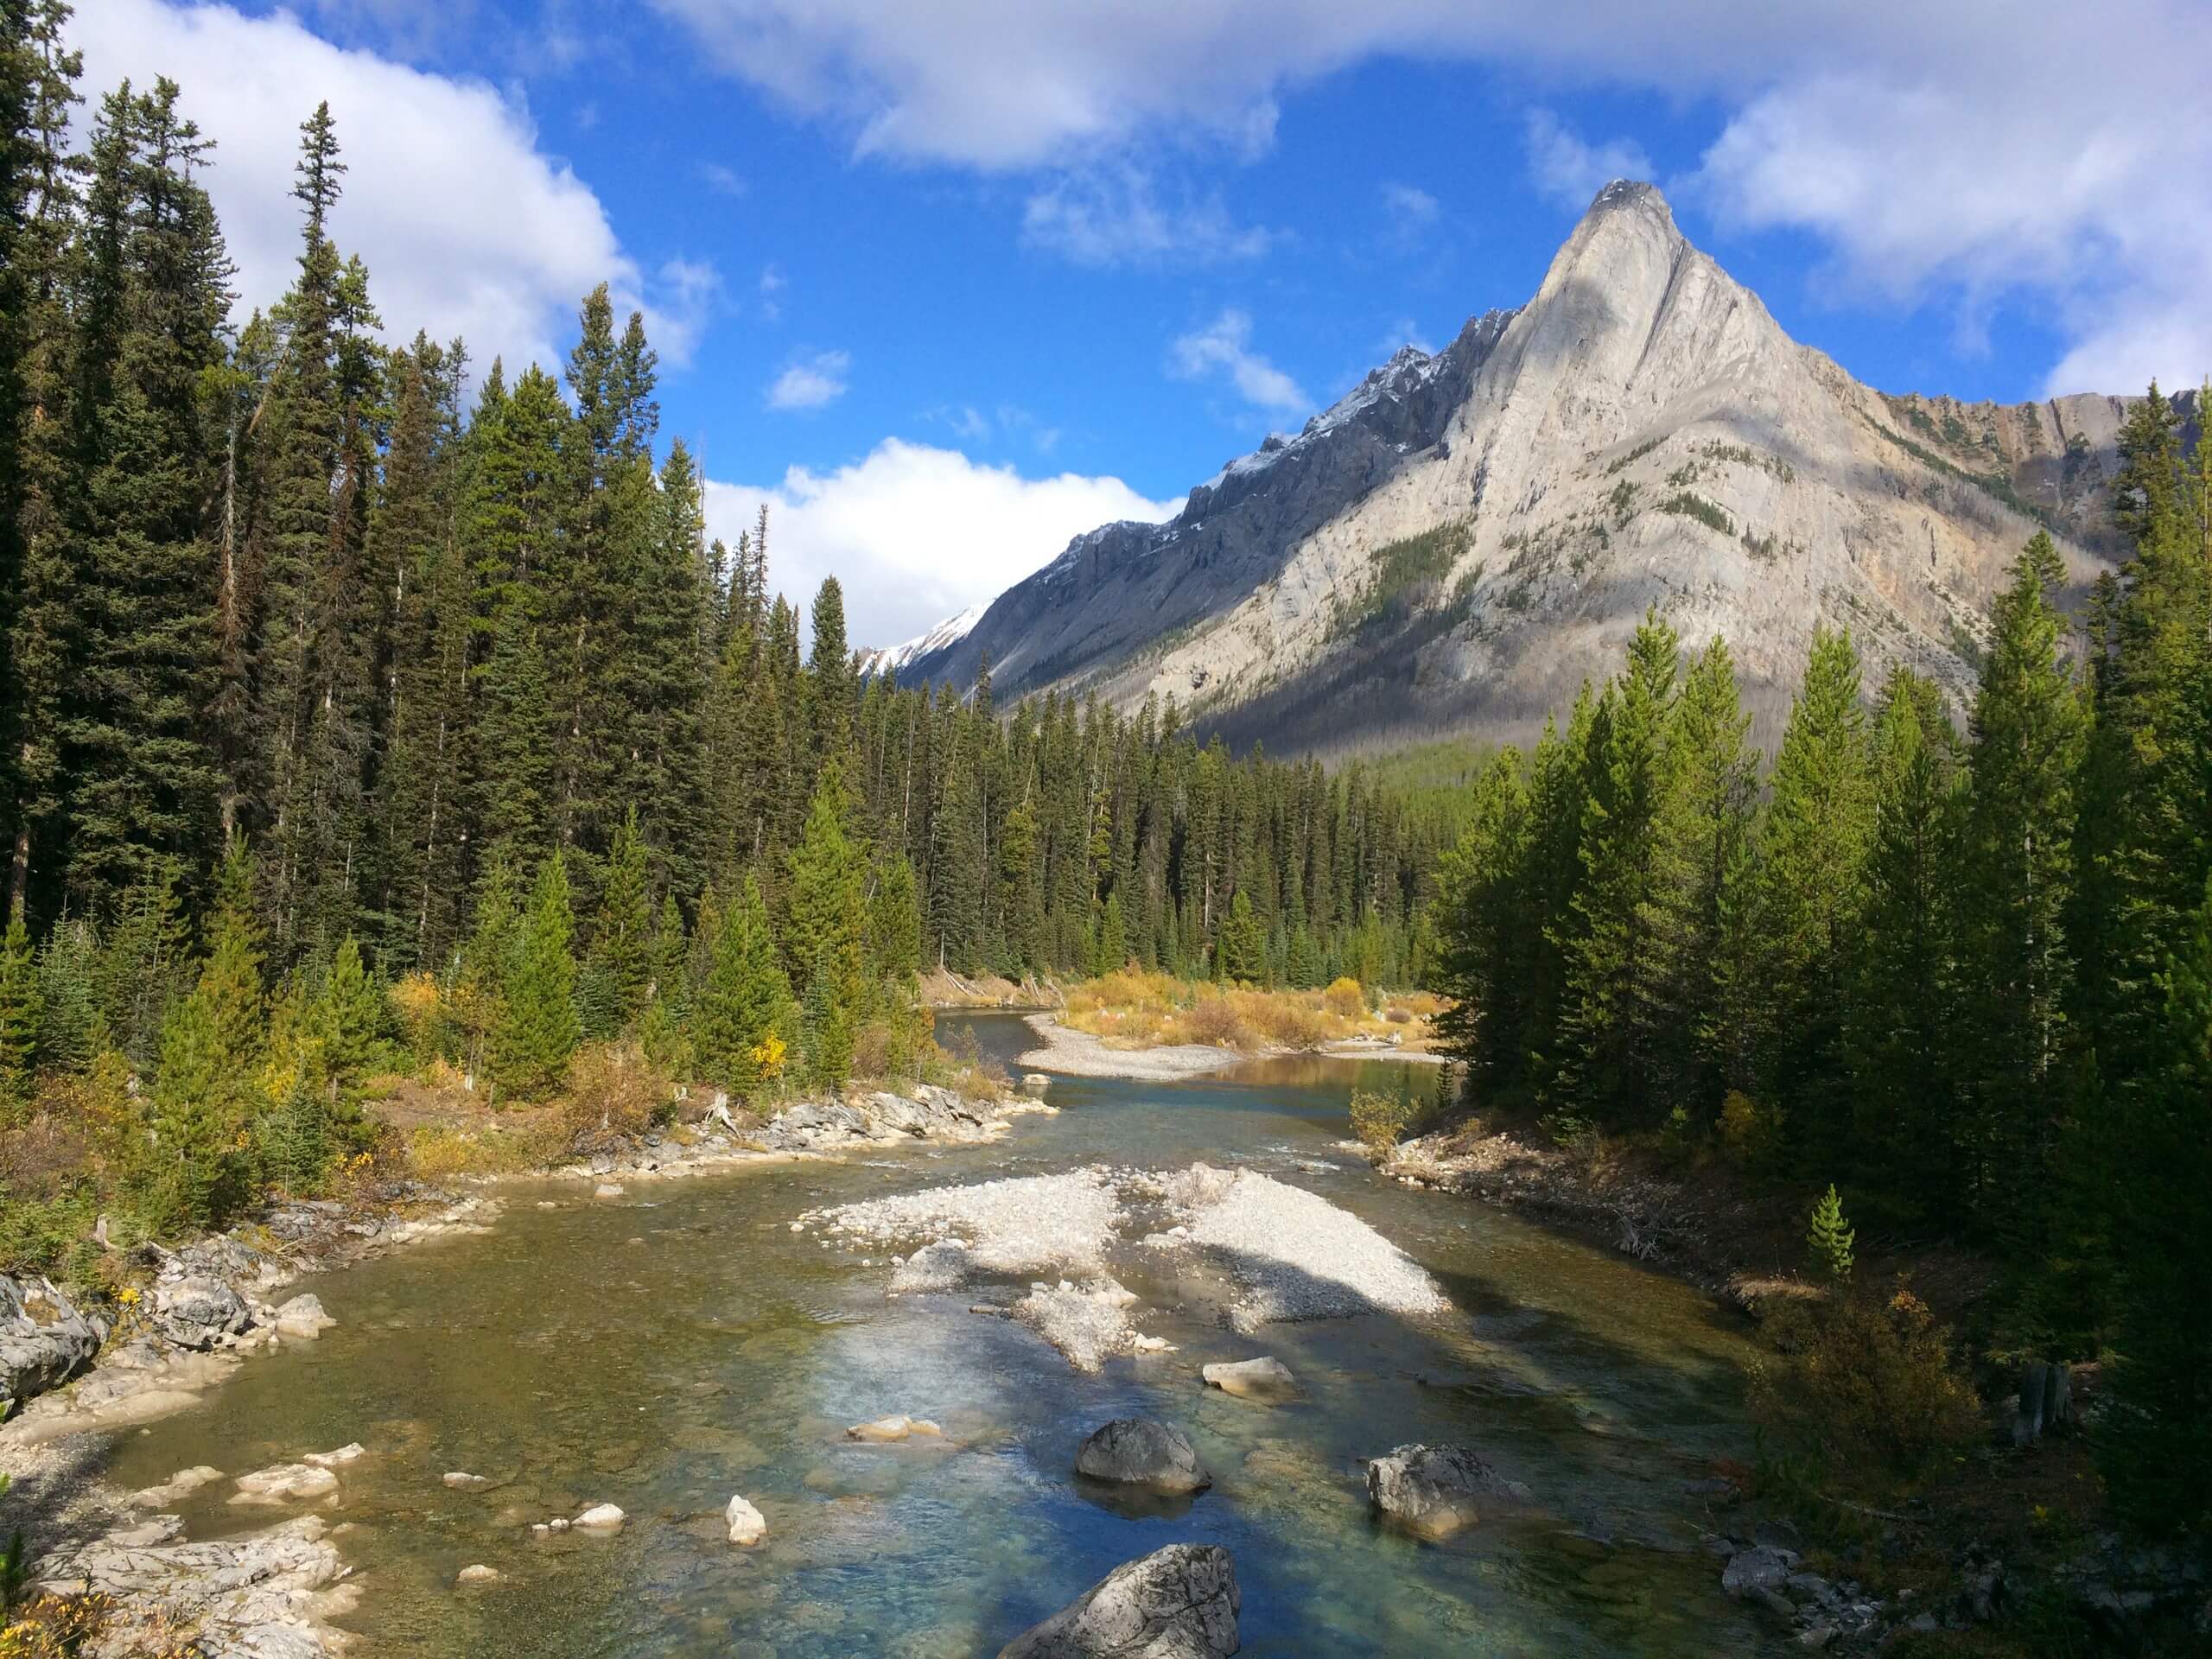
1641	434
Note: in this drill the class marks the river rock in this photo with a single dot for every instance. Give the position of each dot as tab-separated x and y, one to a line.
1437	1489
302	1318
1176	1603
284	1482
345	1454
477	1573
747	1526
462	1481
608	1190
178	1487
1265	1378
600	1517
198	1310
1143	1452
1762	1568
262	1593
44	1341
885	1430
1035	1080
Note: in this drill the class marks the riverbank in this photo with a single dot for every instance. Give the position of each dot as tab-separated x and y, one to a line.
1076	1054
190	1318
2002	1548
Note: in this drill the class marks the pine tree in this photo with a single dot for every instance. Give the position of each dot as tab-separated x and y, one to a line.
743	1017
142	967
20	1016
617	967
72	1029
825	929
1812	886
349	1017
894	923
1243	948
2018	876
1830	1238
537	1028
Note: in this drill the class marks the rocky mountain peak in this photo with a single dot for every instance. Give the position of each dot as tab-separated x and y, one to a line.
1465	536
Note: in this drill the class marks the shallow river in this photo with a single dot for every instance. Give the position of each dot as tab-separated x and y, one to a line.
666	1350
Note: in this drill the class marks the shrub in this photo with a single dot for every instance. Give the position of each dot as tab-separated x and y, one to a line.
1379	1121
1215	1019
1830	1237
1865	1380
614	1094
1751	1131
1345	999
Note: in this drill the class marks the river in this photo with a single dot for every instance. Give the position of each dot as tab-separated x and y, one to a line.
663	1350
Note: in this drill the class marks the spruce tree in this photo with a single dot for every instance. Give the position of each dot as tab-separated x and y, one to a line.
19	1017
1830	1237
72	1029
617	967
742	1018
1242	947
536	1028
825	929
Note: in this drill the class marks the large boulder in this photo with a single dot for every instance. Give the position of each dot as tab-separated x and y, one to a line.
1143	1452
198	1309
1176	1603
1751	1575
1437	1489
44	1339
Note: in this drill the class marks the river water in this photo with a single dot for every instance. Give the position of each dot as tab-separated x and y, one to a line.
666	1350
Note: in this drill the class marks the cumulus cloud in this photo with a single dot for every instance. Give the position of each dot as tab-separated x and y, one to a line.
915	533
1114	213
1569	170
1976	149
811	383
1222	350
466	226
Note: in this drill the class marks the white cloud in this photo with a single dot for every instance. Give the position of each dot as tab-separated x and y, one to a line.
915	533
812	382
1411	211
466	227
722	179
1112	213
1982	147
1223	347
1570	171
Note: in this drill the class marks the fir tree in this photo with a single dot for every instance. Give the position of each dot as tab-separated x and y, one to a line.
537	1029
743	1016
21	1011
1242	947
619	964
72	1029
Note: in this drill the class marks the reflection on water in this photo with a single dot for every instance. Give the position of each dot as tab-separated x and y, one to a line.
667	1350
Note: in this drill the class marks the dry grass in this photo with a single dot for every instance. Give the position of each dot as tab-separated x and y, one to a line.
1133	1008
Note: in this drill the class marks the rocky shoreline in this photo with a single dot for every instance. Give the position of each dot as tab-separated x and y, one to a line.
75	1377
1079	1054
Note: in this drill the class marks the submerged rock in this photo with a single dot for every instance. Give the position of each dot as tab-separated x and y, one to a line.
462	1481
44	1339
302	1318
1176	1603
884	1430
477	1573
600	1517
1264	1378
178	1487
1437	1489
284	1482
1143	1452
747	1526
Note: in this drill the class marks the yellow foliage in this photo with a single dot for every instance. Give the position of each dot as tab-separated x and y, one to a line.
1379	1121
1345	999
1866	1380
614	1093
768	1056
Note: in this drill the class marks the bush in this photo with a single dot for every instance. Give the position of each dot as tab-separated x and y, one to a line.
1379	1121
1216	1019
1865	1381
1752	1133
1345	999
614	1094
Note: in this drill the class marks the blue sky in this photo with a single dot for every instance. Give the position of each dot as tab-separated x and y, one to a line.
951	282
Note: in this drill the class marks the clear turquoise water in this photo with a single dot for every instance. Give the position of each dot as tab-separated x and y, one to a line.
665	1350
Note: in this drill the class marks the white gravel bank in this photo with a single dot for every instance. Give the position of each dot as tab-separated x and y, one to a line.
1079	1054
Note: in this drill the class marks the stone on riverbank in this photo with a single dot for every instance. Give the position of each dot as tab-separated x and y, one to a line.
1143	1452
178	1487
1176	1603
44	1339
1437	1489
747	1526
477	1573
199	1310
600	1517
1264	1378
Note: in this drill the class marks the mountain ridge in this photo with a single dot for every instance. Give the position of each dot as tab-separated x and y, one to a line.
1451	548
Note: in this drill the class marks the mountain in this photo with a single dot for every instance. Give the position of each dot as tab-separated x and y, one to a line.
891	659
1456	545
